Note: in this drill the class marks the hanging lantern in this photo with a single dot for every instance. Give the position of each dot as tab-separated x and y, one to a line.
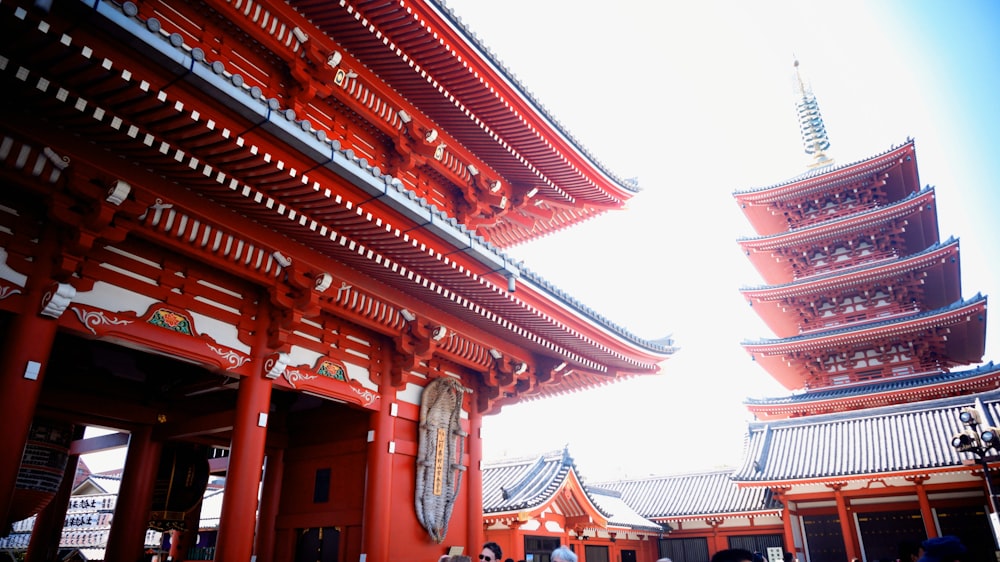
43	465
181	480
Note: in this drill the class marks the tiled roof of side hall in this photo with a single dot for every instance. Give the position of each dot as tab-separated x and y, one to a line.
823	170
857	327
525	482
862	443
889	385
622	514
691	495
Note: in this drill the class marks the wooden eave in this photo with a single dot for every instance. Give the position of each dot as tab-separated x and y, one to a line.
966	341
941	286
420	49
783	410
761	206
275	187
914	217
794	485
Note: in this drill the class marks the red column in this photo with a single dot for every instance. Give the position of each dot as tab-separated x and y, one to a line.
47	532
246	457
128	528
27	345
270	498
475	485
925	506
378	487
846	523
786	518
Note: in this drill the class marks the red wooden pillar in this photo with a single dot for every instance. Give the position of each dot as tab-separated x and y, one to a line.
270	498
23	360
780	494
846	523
378	489
925	505
47	532
135	497
475	485
246	458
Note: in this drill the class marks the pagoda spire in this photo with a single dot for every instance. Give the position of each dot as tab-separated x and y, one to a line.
811	124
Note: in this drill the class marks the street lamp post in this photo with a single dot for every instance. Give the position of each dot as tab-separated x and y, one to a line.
979	442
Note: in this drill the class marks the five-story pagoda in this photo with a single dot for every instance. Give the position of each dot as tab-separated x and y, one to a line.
866	305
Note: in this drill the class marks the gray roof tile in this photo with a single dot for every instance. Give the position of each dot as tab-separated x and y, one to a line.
892	439
700	493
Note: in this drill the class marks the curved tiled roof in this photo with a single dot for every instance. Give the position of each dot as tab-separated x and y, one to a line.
860	268
867	326
693	494
525	482
528	94
622	514
888	385
841	223
823	170
879	441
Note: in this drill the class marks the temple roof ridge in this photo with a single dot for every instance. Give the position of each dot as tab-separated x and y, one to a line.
876	387
667	475
869	266
979	297
630	184
821	171
664	344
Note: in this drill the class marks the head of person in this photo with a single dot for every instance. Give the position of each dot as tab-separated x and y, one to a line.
563	554
491	552
948	548
733	555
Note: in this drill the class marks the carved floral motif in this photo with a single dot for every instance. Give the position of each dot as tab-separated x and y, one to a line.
293	375
92	318
235	360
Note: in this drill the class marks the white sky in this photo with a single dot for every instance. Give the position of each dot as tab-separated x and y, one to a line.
697	100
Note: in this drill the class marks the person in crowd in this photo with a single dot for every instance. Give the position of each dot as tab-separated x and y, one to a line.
909	551
491	552
948	548
563	554
733	555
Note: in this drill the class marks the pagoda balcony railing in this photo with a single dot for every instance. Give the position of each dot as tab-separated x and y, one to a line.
833	213
822	324
860	261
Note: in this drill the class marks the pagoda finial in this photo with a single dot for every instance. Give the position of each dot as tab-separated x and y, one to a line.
811	125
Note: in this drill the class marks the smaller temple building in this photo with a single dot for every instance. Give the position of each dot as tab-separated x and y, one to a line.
531	505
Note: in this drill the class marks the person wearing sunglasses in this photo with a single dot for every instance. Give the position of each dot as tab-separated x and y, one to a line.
491	552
